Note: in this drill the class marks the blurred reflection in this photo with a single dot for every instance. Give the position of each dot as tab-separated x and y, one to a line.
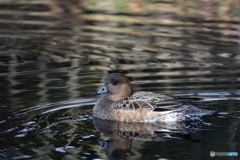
121	134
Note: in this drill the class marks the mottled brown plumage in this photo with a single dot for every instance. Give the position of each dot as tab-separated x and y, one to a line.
120	104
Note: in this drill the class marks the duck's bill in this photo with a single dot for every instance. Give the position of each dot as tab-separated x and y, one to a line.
100	91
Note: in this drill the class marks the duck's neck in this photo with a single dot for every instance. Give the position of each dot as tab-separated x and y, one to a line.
114	98
121	95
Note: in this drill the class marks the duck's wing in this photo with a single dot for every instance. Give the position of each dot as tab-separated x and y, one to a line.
148	100
159	103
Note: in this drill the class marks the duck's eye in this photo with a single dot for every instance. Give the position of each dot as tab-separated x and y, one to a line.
115	82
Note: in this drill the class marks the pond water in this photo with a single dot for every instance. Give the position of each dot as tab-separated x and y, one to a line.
55	54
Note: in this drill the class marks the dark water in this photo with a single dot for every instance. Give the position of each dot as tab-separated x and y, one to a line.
55	54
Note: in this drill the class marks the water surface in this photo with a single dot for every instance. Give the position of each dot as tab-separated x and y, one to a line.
55	54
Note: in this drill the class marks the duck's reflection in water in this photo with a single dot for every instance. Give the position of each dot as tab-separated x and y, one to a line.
121	134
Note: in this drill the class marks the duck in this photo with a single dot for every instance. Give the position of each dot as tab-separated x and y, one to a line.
119	103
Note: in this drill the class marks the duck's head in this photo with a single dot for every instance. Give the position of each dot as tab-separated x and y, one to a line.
116	84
